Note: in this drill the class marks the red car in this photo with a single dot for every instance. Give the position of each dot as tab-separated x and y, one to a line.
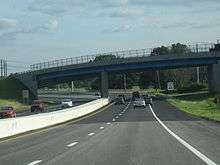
7	112
37	105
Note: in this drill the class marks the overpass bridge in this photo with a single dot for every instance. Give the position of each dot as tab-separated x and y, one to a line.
64	70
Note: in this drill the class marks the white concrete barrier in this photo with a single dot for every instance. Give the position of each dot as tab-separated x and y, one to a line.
13	126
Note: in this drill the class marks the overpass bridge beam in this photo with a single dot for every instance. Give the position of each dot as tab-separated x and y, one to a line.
104	84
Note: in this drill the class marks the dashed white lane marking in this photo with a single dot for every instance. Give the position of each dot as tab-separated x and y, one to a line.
116	117
101	127
120	114
72	144
191	148
92	133
34	162
108	123
113	119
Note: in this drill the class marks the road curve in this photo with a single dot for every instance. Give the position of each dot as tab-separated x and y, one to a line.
119	135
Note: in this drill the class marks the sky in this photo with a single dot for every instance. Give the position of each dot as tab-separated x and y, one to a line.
33	31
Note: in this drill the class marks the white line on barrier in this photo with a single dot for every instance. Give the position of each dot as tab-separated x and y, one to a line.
72	144
92	133
191	148
34	162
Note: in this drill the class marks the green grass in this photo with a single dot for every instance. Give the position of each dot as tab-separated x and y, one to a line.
18	106
201	106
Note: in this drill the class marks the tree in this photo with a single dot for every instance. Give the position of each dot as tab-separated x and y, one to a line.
160	51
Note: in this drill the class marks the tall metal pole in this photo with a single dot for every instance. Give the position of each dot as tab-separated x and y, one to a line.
197	68
125	82
197	72
158	79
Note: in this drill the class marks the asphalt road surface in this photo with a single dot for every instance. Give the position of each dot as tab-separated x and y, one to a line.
48	109
121	135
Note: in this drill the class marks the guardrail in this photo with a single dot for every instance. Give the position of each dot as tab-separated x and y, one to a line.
196	48
13	126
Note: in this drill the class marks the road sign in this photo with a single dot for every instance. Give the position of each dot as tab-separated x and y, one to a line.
170	86
25	94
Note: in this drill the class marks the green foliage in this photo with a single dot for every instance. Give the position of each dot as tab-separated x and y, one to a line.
201	106
11	88
17	105
102	58
192	88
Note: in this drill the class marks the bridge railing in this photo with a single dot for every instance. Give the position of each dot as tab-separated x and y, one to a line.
119	54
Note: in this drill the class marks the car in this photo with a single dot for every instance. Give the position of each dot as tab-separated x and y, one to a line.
123	96
148	99
119	100
66	103
136	95
139	103
7	112
37	105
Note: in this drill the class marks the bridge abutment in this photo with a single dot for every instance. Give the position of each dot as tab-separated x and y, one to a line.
104	84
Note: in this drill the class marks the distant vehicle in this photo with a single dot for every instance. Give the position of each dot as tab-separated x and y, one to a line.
97	94
37	105
148	99
7	112
66	103
123	96
119	100
139	103
136	95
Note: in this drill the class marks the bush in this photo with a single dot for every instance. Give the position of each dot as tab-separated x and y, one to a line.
192	88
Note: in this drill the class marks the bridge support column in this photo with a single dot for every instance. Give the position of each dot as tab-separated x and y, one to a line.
210	79
214	78
104	84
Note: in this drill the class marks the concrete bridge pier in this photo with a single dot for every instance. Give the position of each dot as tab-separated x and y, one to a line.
104	84
214	78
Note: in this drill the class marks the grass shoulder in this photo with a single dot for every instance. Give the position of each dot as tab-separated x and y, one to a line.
203	106
17	105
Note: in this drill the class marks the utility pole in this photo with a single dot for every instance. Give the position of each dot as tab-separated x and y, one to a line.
197	72
197	68
125	82
158	79
72	86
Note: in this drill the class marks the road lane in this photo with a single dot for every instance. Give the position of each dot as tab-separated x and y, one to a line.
49	109
135	137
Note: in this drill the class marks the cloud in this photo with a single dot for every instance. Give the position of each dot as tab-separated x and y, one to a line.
11	36
7	23
117	29
51	25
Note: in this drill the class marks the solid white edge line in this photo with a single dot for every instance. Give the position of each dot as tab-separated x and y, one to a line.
72	144
188	146
34	162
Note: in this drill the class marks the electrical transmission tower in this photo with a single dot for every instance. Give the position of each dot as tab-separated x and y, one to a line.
3	68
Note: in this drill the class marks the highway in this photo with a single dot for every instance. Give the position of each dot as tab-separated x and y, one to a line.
120	135
51	108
